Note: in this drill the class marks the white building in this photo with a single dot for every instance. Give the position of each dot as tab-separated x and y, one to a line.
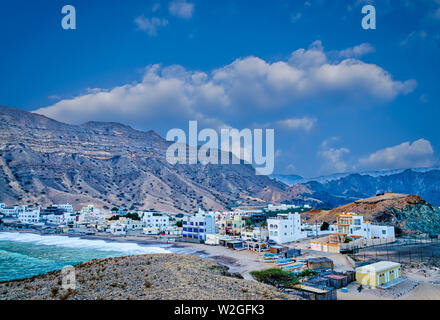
156	220
118	229
10	212
281	207
260	234
131	224
285	228
66	208
90	214
29	215
361	228
197	226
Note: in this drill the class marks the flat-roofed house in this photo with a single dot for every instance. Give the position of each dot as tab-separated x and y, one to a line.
379	274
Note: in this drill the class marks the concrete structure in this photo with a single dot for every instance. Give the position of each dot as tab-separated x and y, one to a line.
351	231
353	225
66	208
285	228
232	226
260	234
131	224
213	239
29	215
380	274
90	215
156	220
118	229
11	212
198	226
281	207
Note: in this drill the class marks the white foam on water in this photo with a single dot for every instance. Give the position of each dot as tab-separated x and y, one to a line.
129	248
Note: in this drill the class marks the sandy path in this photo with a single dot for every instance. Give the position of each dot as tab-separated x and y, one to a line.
242	261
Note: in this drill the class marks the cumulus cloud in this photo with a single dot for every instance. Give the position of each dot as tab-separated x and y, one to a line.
334	160
150	25
357	51
181	9
169	96
405	155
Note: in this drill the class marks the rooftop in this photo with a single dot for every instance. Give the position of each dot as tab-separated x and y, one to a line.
378	266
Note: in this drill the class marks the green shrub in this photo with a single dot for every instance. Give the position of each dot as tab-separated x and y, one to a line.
308	273
276	277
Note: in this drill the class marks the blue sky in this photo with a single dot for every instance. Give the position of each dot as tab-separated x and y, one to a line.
340	98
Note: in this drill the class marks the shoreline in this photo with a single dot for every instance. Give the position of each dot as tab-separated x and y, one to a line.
237	261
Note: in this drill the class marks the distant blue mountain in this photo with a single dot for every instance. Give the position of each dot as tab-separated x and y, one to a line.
334	191
295	179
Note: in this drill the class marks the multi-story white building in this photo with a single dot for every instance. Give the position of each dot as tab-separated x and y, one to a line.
353	225
131	224
29	215
66	208
285	228
156	220
90	214
197	226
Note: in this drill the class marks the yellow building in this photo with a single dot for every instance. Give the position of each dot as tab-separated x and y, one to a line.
378	274
232	226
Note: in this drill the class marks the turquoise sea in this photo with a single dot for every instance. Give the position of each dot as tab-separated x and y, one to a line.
23	255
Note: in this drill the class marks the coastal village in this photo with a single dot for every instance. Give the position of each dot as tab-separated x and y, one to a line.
313	261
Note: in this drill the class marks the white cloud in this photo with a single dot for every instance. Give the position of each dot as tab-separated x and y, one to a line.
334	160
247	87
405	155
150	25
304	123
181	9
357	51
419	35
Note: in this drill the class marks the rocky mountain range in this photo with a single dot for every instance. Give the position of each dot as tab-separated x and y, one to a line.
337	192
408	213
44	161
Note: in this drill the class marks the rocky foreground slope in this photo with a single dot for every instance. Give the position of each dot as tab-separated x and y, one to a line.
109	164
145	277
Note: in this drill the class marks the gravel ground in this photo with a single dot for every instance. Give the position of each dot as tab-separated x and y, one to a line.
143	277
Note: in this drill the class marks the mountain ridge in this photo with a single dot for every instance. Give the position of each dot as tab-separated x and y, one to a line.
110	164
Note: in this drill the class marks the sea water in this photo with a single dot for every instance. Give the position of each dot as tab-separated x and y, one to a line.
23	255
